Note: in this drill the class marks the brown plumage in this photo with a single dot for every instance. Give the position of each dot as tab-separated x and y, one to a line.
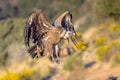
42	38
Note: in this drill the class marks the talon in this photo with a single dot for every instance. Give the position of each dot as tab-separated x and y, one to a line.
52	59
58	61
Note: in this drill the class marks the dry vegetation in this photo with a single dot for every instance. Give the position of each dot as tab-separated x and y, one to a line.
99	61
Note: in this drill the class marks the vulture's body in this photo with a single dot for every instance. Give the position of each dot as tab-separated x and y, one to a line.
45	37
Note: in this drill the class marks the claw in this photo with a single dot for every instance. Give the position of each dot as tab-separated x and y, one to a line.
58	61
52	59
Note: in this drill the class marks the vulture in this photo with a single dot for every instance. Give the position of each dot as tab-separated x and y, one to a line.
42	38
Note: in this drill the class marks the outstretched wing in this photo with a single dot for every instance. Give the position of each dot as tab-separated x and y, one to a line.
65	21
36	27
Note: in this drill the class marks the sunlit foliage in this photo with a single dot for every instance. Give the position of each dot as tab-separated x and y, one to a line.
22	75
100	41
104	53
79	42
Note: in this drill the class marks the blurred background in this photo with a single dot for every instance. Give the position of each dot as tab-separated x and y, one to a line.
98	21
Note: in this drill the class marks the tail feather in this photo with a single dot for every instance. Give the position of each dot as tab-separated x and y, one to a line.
32	50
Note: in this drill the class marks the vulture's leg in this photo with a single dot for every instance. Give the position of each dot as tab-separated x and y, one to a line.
56	53
49	51
52	54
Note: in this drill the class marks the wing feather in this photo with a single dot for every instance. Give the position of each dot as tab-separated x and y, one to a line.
63	19
36	27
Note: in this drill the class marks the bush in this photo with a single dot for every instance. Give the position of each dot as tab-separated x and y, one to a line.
105	53
100	41
51	8
74	62
22	75
107	8
114	27
11	32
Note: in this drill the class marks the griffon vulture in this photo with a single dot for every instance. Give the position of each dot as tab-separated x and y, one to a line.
42	38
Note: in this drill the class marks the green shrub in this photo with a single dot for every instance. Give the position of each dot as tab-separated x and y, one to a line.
74	62
107	8
104	53
51	8
11	32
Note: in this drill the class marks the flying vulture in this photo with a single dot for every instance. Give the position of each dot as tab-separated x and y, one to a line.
42	38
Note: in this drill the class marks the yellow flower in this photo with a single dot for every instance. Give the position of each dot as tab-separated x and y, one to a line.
112	27
100	41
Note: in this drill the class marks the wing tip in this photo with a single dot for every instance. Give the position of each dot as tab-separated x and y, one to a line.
37	11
